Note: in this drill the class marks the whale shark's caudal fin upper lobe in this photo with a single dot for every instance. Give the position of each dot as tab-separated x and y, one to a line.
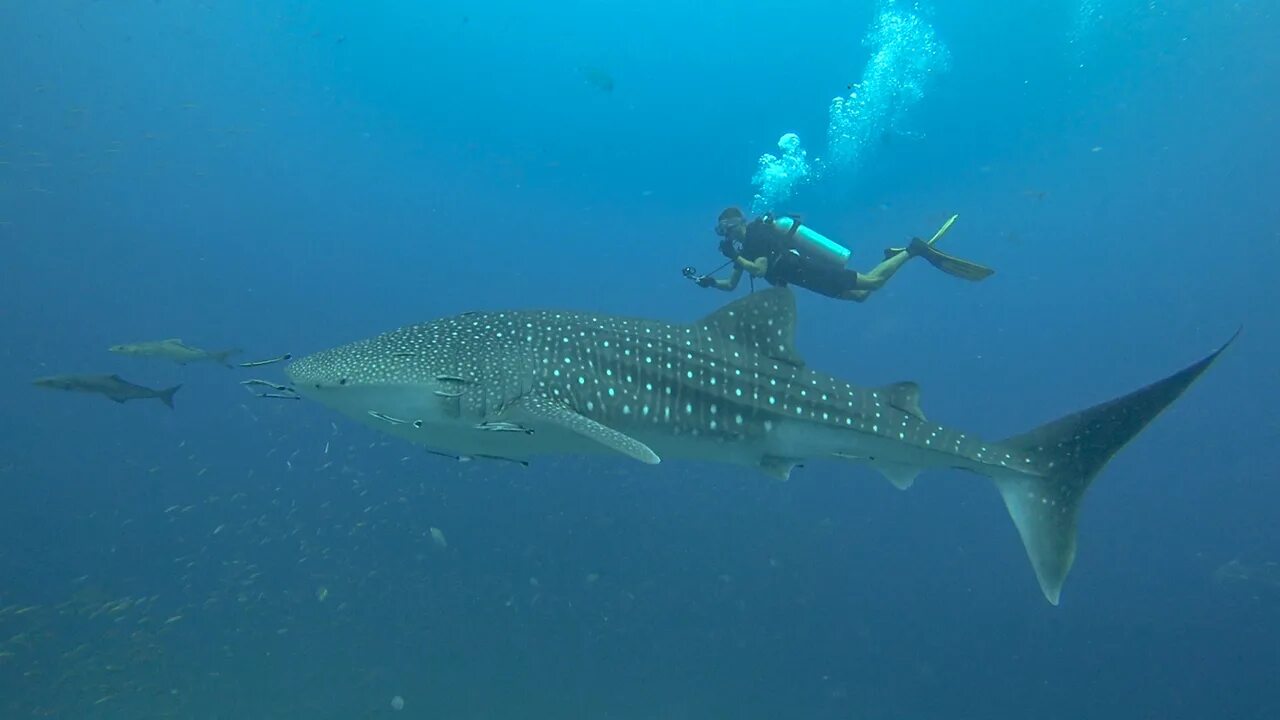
1069	453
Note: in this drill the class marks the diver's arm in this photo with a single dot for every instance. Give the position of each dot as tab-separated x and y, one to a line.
758	268
708	281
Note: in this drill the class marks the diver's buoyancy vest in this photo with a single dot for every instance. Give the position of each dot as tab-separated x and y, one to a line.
811	243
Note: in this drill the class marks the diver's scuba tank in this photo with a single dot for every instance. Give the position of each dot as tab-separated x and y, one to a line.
810	242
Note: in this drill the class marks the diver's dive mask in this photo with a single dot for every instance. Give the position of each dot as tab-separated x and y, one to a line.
729	230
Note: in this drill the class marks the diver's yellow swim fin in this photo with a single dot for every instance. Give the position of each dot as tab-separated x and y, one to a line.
949	264
943	230
890	252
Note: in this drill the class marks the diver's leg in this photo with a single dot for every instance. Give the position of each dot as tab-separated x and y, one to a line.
881	273
852	285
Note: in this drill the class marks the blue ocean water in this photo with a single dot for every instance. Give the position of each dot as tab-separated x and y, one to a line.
285	176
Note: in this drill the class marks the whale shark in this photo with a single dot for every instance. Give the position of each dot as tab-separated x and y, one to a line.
728	388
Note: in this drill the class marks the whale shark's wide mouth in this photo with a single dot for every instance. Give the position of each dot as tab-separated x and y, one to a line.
358	364
352	359
320	371
303	371
399	357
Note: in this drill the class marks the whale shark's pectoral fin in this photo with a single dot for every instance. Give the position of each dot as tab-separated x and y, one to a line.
555	413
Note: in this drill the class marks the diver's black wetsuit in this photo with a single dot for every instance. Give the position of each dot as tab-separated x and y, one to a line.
789	267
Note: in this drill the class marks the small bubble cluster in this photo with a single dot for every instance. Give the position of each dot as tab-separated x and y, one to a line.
778	175
906	55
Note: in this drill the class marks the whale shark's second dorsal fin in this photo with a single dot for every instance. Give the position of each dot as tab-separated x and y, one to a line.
904	396
763	322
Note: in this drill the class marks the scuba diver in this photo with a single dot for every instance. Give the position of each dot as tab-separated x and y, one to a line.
784	252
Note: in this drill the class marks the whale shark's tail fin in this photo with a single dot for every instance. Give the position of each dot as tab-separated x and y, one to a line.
1066	455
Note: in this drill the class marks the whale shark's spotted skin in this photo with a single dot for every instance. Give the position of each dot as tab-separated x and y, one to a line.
729	388
732	378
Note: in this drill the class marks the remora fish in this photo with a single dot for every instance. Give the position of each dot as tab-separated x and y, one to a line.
113	386
729	388
175	350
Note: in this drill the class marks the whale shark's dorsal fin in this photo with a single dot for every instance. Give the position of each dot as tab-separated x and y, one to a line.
763	322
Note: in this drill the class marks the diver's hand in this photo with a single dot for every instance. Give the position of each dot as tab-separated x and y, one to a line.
706	281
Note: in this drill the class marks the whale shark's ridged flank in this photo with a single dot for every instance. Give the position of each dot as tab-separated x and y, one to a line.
729	388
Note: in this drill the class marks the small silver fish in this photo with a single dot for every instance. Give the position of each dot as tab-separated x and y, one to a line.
268	361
